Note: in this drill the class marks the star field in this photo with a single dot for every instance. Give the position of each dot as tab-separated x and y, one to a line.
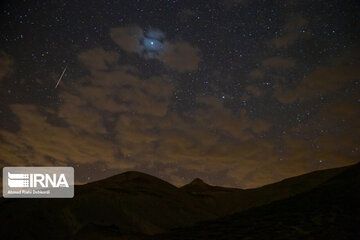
239	93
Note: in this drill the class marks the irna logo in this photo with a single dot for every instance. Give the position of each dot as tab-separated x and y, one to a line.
38	182
22	180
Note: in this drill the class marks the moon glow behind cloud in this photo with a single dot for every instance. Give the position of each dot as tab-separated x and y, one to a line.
152	43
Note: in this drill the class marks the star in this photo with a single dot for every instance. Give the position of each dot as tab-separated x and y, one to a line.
152	43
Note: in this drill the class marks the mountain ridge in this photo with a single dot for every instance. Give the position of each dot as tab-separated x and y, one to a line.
136	204
329	211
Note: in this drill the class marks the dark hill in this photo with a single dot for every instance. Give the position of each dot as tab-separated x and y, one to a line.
133	205
329	211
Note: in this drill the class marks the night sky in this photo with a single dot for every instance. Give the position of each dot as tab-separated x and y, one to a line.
238	93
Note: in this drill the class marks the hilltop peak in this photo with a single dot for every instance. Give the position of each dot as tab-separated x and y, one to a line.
134	180
197	181
196	185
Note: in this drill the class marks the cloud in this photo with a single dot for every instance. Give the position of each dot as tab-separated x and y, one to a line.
80	116
129	96
178	55
6	64
334	143
211	139
121	90
98	59
219	117
335	129
253	90
86	109
323	80
292	31
114	101
278	62
256	74
119	120
127	38
40	143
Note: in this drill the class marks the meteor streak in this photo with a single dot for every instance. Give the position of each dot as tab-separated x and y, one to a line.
61	77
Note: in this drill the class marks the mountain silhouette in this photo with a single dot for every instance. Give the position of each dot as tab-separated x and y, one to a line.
197	185
135	205
329	211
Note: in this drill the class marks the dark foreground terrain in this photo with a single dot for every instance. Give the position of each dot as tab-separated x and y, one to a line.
133	205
